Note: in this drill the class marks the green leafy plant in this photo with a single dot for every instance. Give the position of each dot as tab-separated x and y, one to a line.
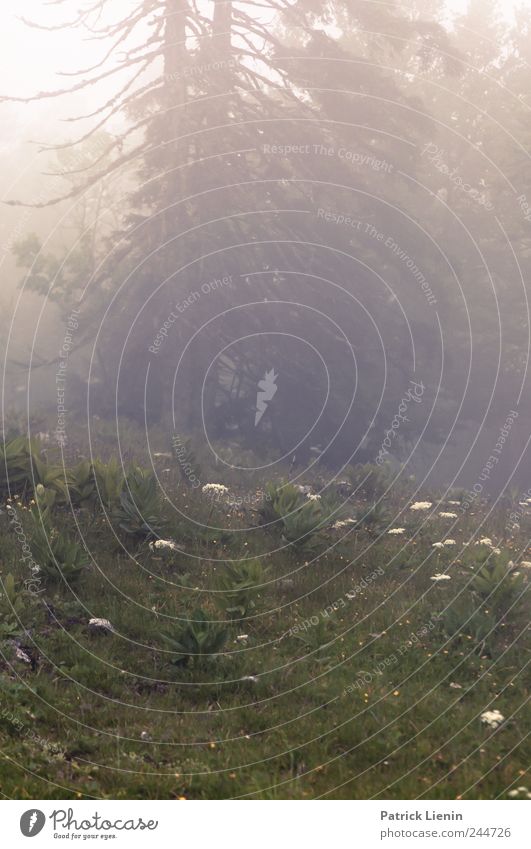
139	510
82	484
370	479
318	640
50	476
15	465
12	603
22	468
464	620
375	519
197	640
300	518
45	501
109	479
495	583
240	584
301	527
57	554
280	499
333	508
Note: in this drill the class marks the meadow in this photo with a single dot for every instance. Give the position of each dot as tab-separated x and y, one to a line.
168	632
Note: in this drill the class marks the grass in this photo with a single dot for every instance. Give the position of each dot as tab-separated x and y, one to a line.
345	686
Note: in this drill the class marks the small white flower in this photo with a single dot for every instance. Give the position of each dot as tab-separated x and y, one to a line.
100	624
313	496
252	678
22	655
449	542
440	577
242	638
445	515
163	544
343	523
214	489
396	531
484	541
513	793
526	564
492	718
455	686
438	545
421	505
454	503
496	551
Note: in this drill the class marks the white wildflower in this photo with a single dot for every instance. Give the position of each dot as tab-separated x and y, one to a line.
448	515
22	655
343	523
455	686
215	489
438	545
252	678
159	544
526	564
449	542
492	718
440	577
496	551
396	531
454	503
421	505
484	541
513	793
313	496
242	638
100	625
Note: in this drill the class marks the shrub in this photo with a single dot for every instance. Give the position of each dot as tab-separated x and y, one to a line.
197	640
12	605
300	518
109	479
56	553
370	479
240	584
139	510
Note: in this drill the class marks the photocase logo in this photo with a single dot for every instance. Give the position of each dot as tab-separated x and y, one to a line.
266	392
32	822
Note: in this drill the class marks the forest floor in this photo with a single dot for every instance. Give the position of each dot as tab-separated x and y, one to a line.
366	664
